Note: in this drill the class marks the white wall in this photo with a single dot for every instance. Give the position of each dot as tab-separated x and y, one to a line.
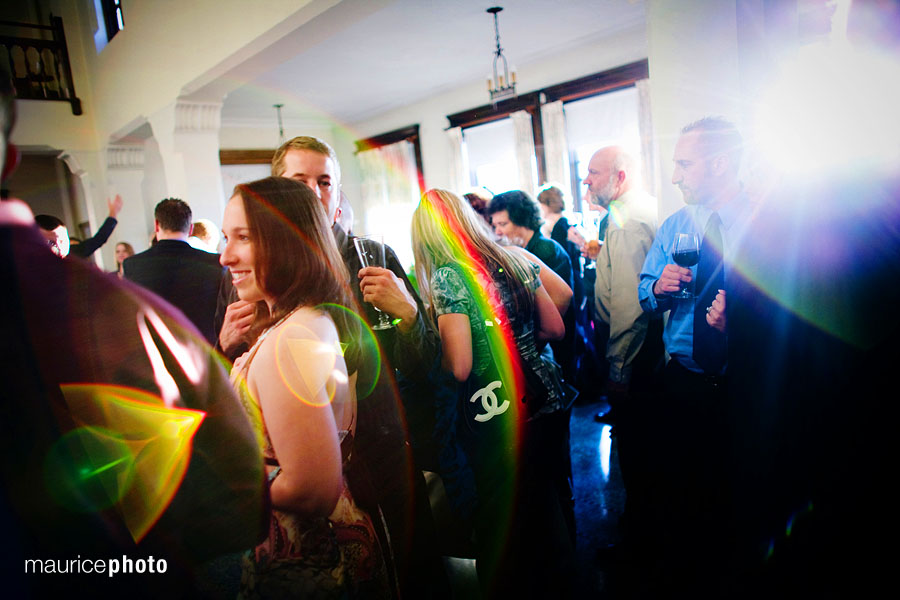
691	47
694	72
430	114
627	47
168	49
159	55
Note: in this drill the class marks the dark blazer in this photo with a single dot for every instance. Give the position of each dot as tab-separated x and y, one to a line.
90	245
64	322
188	278
555	257
560	235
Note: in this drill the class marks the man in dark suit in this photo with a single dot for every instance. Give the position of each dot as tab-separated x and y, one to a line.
188	278
114	444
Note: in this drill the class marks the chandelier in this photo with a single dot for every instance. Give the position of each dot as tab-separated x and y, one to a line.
503	84
278	108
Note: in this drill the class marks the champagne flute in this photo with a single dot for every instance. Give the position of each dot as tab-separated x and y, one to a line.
371	254
686	253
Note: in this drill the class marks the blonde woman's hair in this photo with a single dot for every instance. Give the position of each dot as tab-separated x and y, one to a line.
442	225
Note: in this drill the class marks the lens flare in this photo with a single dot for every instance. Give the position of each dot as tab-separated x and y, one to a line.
89	469
128	450
833	107
477	279
302	358
369	365
825	175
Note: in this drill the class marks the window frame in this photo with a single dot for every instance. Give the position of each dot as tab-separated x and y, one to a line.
404	134
112	9
575	89
246	157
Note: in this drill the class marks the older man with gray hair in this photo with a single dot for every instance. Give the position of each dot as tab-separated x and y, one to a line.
614	183
634	348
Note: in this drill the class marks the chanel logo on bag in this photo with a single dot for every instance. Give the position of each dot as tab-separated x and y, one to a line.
489	402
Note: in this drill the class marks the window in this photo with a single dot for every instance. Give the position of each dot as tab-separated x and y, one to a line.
599	109
491	150
110	21
112	17
598	121
392	182
242	166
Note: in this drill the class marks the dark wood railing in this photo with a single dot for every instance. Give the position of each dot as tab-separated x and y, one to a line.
39	67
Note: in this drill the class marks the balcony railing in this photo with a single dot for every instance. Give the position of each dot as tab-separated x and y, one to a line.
39	67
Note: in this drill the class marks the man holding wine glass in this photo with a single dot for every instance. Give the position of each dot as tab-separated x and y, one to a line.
686	274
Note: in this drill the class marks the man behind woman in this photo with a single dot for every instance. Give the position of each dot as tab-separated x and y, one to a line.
297	384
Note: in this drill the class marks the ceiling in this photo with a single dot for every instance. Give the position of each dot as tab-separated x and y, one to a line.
361	58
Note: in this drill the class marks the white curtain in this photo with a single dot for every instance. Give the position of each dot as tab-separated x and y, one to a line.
390	193
556	149
649	148
525	160
459	170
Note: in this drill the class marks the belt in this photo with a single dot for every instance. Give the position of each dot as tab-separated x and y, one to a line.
710	379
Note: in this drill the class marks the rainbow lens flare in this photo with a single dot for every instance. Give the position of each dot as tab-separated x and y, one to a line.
301	357
128	450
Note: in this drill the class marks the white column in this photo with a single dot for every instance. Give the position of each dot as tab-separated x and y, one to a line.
187	134
89	201
125	175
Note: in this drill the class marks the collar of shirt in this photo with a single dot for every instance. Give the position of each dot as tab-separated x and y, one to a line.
633	203
534	241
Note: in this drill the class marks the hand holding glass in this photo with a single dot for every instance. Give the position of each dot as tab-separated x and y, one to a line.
686	253
371	254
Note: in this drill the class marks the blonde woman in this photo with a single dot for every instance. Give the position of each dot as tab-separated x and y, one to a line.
492	312
298	387
123	250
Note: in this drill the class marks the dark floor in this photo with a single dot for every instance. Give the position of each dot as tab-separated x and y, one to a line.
599	495
599	500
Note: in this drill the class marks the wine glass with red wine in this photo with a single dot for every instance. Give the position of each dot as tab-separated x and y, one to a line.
686	253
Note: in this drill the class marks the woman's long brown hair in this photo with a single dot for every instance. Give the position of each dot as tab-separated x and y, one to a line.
297	260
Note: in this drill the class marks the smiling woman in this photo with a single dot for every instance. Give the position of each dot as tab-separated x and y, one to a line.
299	391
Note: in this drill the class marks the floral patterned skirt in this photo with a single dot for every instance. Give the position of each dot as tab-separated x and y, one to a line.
334	557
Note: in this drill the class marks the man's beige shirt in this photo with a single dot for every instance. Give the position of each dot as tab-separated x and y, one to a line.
631	228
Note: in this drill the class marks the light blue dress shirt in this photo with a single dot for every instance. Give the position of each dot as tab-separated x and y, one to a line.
679	332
